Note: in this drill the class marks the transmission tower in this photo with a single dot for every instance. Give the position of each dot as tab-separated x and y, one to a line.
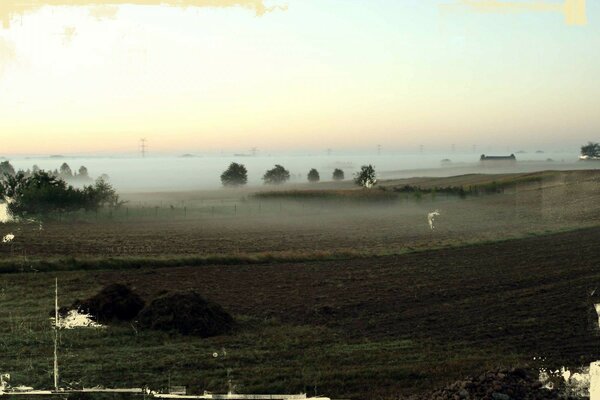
143	147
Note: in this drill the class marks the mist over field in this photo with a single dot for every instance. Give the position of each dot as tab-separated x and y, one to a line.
203	172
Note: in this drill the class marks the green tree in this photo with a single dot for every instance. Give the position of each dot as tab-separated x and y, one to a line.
102	194
276	175
6	168
65	171
83	172
366	177
313	176
338	175
591	150
43	193
235	175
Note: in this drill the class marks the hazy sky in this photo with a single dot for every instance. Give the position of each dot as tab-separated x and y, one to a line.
296	74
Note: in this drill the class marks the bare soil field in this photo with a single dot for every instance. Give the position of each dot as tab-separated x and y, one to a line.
365	328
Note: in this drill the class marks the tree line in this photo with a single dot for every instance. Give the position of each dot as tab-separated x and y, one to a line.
237	175
64	172
41	193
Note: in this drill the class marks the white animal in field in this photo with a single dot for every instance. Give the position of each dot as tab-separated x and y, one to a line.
8	238
431	218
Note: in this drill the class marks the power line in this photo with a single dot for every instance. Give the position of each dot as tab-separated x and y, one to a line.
143	147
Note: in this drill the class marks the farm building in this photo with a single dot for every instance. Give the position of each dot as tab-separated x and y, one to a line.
497	160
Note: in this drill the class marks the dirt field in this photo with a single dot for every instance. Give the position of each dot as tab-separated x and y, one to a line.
373	326
397	323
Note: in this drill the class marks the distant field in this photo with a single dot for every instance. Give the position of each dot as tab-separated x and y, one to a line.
351	299
204	224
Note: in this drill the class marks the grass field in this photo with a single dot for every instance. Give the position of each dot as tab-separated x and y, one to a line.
350	301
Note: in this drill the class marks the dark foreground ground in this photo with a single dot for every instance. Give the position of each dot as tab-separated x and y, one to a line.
364	328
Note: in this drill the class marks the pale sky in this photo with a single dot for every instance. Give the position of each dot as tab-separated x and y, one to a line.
296	74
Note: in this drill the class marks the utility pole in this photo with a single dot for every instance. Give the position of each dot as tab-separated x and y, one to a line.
143	147
56	326
378	149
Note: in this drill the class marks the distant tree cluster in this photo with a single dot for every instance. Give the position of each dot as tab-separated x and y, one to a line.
43	193
591	150
237	175
64	172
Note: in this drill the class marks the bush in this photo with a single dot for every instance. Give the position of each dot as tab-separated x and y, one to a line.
366	176
338	175
276	176
313	176
235	175
187	313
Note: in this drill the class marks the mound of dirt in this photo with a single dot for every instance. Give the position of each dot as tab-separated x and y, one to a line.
187	313
515	384
116	302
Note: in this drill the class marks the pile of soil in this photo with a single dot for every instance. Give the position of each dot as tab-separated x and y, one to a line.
116	302
515	384
187	313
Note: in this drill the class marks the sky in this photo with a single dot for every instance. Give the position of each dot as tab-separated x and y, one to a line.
93	77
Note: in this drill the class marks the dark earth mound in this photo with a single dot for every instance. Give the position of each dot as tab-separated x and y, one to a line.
514	384
187	313
116	302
